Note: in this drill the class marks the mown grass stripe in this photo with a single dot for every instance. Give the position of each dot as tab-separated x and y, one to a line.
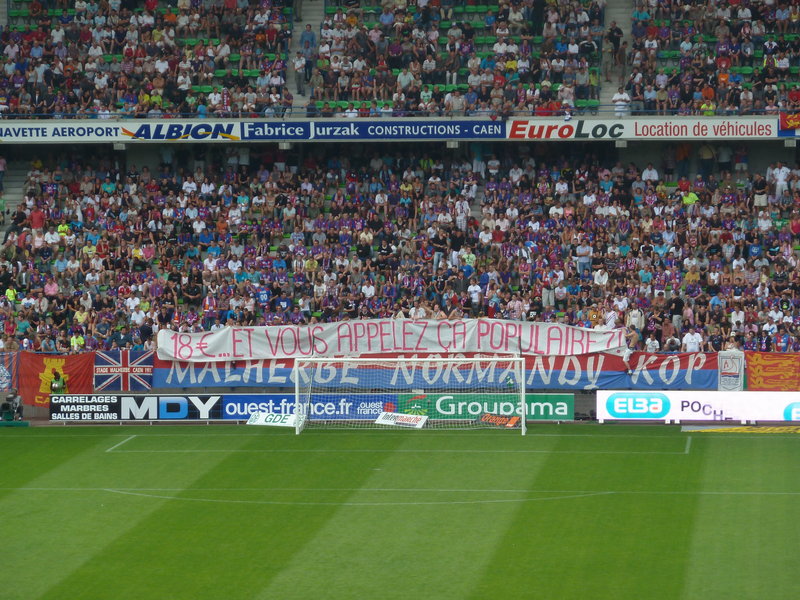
221	549
411	550
626	545
55	535
745	546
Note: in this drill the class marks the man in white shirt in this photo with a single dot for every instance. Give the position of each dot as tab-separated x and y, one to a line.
475	291
651	344
189	186
214	99
601	277
780	175
650	173
299	65
137	316
132	302
692	341
621	102
234	265
368	289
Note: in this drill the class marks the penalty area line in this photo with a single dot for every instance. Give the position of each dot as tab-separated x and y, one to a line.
126	440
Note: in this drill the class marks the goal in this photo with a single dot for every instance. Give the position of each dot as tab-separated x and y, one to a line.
430	393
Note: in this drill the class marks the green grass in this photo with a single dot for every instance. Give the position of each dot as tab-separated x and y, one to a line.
579	511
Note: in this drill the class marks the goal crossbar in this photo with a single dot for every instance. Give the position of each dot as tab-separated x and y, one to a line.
449	392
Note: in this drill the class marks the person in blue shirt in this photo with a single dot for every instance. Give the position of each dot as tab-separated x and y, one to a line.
61	264
205	239
489	20
214	249
92	236
309	36
263	296
282	303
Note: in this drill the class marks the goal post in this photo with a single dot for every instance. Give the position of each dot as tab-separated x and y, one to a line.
437	393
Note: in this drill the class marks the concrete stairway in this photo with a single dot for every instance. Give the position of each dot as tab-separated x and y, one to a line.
16	174
313	13
619	11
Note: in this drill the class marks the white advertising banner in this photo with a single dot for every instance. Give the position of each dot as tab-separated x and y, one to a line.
188	131
272	419
681	406
643	128
378	336
401	420
122	130
731	370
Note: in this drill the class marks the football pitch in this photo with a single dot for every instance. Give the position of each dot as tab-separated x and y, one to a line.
570	511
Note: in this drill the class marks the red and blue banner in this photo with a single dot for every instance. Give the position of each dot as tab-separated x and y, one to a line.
123	371
688	371
684	371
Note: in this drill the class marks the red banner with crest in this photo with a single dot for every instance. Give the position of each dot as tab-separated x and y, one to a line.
36	373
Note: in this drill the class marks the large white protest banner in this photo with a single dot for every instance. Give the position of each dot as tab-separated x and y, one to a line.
376	336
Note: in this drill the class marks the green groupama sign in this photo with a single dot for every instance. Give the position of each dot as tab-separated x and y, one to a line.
437	405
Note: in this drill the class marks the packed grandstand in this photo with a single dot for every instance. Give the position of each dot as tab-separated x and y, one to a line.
98	259
232	58
695	252
395	58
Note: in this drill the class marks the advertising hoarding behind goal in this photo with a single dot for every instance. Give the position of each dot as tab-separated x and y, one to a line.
682	406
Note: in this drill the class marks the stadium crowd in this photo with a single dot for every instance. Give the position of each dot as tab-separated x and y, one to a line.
96	59
420	62
229	58
101	258
725	58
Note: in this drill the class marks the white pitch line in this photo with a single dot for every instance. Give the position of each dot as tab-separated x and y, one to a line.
383	450
26	435
294	503
412	490
688	445
127	439
238	433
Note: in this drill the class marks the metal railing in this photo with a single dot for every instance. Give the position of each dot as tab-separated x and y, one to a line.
336	110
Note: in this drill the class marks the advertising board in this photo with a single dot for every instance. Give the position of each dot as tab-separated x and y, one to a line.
681	406
272	420
128	407
401	420
187	131
80	407
438	405
322	406
643	128
240	407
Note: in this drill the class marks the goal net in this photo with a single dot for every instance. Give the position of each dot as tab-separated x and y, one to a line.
430	393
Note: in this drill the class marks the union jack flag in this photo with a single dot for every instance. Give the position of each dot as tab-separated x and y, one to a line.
123	370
